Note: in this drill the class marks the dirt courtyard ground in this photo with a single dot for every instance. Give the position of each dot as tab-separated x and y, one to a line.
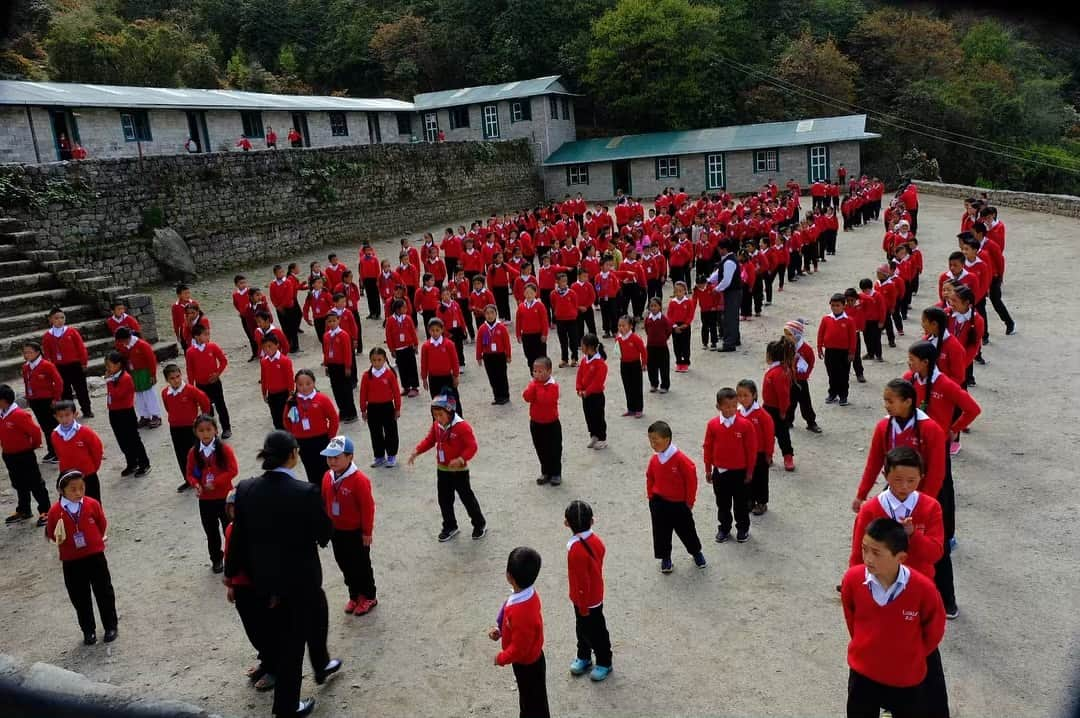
759	633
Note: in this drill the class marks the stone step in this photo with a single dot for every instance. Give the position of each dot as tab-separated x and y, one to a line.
15	267
40	301
42	255
57	265
10	224
23	283
94	330
24	238
11	366
39	321
9	252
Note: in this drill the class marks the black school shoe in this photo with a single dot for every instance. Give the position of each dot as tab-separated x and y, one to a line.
183	487
89	639
722	535
742	536
110	635
813	428
142	471
331	668
128	471
479	533
447	534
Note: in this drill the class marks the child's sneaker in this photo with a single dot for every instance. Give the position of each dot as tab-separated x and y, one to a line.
592	443
379	461
600	444
813	428
628	413
830	399
447	534
600	673
541	480
350	606
742	536
954	448
142	471
663	391
844	401
638	414
556	480
391	462
952	611
580	666
364	605
699	560
789	463
479	533
722	536
16	517
666	566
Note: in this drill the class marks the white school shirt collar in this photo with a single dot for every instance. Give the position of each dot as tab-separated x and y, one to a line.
624	337
667	453
379	372
68	434
275	357
962	317
34	364
835	317
680	300
58	331
176	392
207	449
132	341
933	376
529	303
121	318
521	596
747	412
307	397
895	508
335	331
346	474
110	377
72	507
582	537
196	345
884	596
586	358
436	341
8	412
728	420
281	280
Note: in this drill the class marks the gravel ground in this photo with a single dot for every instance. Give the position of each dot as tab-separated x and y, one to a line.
759	633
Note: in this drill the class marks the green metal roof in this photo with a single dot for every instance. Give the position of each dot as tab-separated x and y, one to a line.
490	93
714	139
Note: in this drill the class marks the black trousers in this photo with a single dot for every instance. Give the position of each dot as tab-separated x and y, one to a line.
803	400
929	699
93	487
672	516
838	367
463	303
914	212
495	366
632	385
276	403
943	569
216	393
86	576
214	520
935	693
732	299
658	360
767	280
183	439
592	636
26	480
290	318
449	483
532	688
252	614
502	301
856	363
999	305
457	336
569	341
533	347
609	315
655	288
547	440
312	459
320	328
249	332
872	334
637	298
593	407
897	319
428	315
42	409
889	329
405	359
74	376
586	320
680	344
783	434
710	332
732	494
746	305
354	560
374	303
759	484
451	267
759	293
445	385
382	423
342	389
299	618
125	426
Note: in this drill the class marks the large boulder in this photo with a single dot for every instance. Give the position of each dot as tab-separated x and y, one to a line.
173	255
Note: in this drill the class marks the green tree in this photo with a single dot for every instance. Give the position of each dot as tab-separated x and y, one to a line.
406	56
813	67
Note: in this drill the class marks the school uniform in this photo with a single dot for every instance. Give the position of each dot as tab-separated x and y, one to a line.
951	359
873	311
142	365
183	406
776	399
765	430
242	304
214	477
124	320
671	487
426	300
351	507
836	335
586	296
801	398
585	568
43	385
499	278
283	296
276	381
925	544
317	305
531	329
544	425
380	403
349	323
493	349
632	357
521	625
681	315
607	293
658	356
370	268
64	347
455	440
709	303
730	451
401	341
564	306
338	359
312	419
20	437
82	553
204	360
120	401
79	447
919	432
944	401
439	368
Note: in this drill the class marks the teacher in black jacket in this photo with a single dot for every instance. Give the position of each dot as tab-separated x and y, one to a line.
279	526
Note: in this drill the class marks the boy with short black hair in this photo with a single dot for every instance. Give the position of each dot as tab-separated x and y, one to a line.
836	345
671	488
340	367
78	447
183	404
542	396
730	454
20	438
520	625
206	362
585	567
43	386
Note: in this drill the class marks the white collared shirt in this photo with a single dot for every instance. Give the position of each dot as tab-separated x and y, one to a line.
747	412
838	317
665	455
680	300
8	412
347	473
521	596
275	357
58	331
207	449
884	596
307	397
175	392
69	433
436	341
196	345
626	336
894	507
72	507
379	372
920	379
728	420
34	364
578	537
656	317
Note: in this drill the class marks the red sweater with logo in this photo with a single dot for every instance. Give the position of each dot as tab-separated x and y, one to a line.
202	363
283	343
586	572
438	359
837	333
681	313
92	525
765	430
184	407
591	375
924	435
317	416
283	292
276	373
352	498
456	439
83	452
565	305
19	433
383	389
925	544
43	381
543	401
66	349
673	480
522	631
216	481
531	319
776	388
400	332
631	348
492	339
337	349
121	392
945	397
733	447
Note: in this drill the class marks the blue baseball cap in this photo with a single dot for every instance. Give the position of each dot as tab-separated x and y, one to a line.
338	445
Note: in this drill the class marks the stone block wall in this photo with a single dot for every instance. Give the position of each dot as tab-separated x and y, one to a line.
1063	204
235	208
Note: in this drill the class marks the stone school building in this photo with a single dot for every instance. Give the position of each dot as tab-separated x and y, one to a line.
740	158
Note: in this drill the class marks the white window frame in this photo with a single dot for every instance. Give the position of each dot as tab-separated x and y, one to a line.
431	126
819	159
766	161
714	171
577	175
491	121
516	113
667	167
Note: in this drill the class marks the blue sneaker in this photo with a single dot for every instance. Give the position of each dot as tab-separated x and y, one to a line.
378	462
666	566
580	667
390	463
699	560
600	673
953	543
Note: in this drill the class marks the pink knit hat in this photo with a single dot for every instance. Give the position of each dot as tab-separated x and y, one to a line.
797	327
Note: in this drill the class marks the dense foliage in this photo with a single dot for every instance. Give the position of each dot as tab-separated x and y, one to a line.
992	98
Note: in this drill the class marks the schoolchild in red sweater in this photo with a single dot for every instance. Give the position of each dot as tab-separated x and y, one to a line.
747	394
633	361
349	503
64	347
20	437
120	400
608	292
565	306
776	395
836	345
211	469
709	303
310	416
42	385
591	377
317	305
369	270
78	447
242	304
283	294
493	353
183	404
586	295
854	309
531	326
455	445
120	318
76	524
340	366
680	314
206	363
401	340
891	286
730	451
500	277
658	330
426	299
183	298
380	406
193	317
896	621
542	396
264	327
449	313
520	625
140	360
940	396
873	306
585	568
951	357
439	368
276	378
671	489
967	326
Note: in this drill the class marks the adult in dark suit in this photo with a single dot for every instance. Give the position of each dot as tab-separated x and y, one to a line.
728	281
280	524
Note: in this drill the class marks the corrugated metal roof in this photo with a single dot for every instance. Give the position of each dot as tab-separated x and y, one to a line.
715	139
490	93
70	94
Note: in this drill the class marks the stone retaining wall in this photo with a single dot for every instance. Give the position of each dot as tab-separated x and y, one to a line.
236	209
1063	204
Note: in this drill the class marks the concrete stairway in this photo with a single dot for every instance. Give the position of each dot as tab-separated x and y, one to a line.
32	281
